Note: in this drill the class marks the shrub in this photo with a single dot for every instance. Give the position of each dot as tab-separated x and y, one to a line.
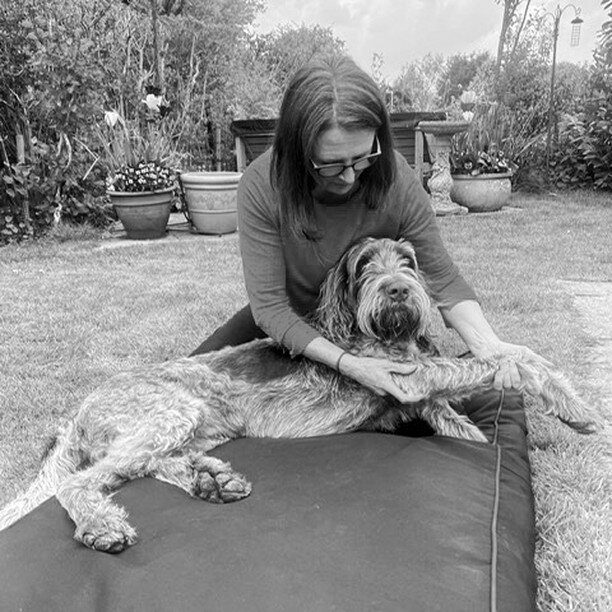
584	153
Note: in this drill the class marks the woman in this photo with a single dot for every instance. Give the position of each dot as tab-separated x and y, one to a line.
333	177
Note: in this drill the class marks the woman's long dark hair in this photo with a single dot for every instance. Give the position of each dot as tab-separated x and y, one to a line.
326	93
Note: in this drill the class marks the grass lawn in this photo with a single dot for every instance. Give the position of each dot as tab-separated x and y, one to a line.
72	313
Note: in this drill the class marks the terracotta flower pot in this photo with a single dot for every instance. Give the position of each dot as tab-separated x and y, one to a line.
144	214
483	192
211	200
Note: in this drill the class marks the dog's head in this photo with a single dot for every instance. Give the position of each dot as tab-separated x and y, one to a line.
375	291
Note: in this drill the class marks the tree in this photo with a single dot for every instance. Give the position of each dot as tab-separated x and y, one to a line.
509	39
288	48
420	83
460	71
260	74
605	35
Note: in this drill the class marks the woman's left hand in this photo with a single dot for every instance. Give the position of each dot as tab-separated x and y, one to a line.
508	376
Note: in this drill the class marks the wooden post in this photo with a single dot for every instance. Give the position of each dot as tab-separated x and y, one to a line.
241	158
419	151
25	204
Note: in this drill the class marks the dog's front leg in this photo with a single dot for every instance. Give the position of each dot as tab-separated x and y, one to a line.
455	379
450	378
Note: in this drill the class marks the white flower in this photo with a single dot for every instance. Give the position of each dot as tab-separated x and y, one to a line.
468	97
468	115
153	102
111	118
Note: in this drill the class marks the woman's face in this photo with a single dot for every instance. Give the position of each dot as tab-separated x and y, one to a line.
339	146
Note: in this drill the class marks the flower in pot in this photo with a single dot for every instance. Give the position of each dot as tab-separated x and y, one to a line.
140	177
473	163
480	169
142	195
137	156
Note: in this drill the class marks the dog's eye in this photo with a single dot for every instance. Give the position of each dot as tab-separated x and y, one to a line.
410	262
360	267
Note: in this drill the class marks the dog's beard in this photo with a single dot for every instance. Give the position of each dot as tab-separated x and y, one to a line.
396	323
387	320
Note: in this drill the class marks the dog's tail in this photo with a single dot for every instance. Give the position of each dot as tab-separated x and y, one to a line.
62	459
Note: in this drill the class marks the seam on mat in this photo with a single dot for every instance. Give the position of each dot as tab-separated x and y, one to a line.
495	516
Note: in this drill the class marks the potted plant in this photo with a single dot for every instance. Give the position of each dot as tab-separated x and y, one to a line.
142	196
481	179
141	183
480	169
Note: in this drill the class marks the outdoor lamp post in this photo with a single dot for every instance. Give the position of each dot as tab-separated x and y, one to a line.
575	39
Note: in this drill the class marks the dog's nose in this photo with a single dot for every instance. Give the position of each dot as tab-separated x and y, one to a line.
397	290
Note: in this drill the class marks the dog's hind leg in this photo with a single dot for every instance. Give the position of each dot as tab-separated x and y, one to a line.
448	422
61	460
86	496
202	476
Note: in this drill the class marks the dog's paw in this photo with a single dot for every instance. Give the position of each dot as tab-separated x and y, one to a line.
470	432
460	426
111	539
222	487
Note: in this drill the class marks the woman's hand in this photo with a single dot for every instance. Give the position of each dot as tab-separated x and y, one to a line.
508	376
375	374
468	320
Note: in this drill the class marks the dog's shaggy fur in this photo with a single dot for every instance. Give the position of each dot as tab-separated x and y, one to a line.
162	420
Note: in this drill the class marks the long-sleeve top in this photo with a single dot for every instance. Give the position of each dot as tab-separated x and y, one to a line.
284	272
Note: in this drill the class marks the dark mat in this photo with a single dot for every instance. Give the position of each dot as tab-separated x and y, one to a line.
352	522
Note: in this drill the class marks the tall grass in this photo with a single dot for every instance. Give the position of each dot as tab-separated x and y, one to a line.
74	312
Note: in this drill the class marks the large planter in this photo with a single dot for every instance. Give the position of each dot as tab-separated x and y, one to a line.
482	192
211	200
144	214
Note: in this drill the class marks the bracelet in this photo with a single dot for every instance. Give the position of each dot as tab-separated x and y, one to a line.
342	354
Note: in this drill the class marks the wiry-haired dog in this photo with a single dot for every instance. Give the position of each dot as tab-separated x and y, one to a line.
162	420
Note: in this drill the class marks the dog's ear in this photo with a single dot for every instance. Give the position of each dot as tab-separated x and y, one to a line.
335	315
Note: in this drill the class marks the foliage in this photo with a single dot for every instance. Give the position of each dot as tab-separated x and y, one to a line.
605	35
54	57
461	69
36	194
490	144
260	72
287	48
64	65
522	89
475	162
419	85
203	46
584	151
137	156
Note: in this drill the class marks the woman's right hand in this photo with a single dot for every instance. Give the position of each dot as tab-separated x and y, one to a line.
375	374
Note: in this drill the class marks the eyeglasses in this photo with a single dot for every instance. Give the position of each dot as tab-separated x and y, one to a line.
331	170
